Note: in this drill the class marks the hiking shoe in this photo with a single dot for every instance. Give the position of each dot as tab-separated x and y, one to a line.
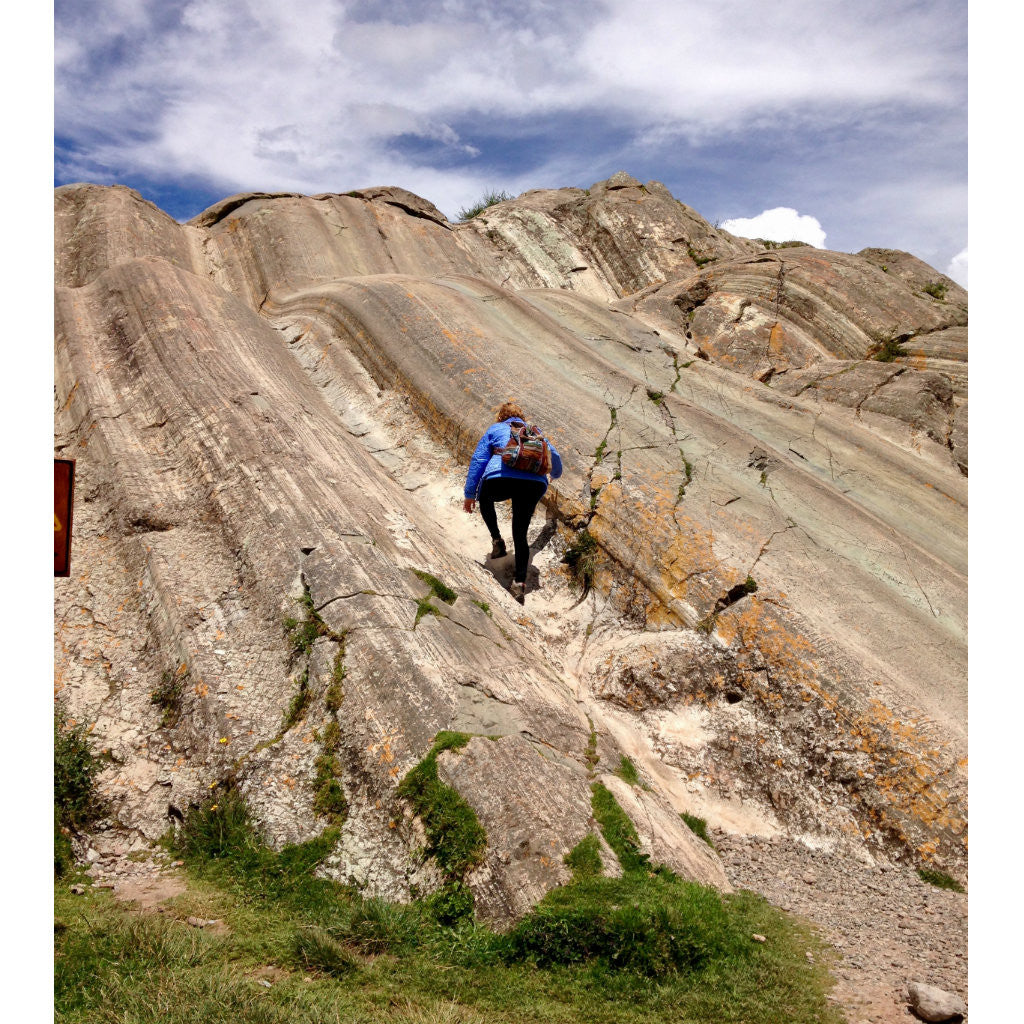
518	591
498	548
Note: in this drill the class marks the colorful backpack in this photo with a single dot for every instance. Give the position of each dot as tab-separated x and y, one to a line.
527	449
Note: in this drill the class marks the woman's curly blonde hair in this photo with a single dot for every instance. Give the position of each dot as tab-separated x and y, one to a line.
507	410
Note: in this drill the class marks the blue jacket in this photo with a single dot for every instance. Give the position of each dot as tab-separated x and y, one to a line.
486	463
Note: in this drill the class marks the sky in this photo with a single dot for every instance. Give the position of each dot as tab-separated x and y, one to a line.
843	125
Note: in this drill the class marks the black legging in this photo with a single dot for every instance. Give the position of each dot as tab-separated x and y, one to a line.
524	495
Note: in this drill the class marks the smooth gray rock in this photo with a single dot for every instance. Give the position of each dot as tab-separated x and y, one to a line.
933	1004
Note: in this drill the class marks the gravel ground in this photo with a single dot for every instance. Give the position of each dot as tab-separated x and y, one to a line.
889	927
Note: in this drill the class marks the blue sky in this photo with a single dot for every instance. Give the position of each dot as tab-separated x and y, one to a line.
853	117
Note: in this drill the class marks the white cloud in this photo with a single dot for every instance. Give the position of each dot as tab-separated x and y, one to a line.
247	94
782	224
957	268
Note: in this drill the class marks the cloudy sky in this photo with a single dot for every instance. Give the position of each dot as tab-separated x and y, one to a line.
844	124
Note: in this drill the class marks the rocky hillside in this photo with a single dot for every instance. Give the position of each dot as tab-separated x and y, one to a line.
274	585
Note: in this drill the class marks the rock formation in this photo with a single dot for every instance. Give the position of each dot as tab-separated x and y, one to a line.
272	406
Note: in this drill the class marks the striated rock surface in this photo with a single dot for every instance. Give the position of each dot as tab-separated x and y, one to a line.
272	406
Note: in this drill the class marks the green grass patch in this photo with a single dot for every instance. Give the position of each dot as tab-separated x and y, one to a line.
581	557
437	588
424	606
655	396
489	198
584	859
939	879
698	826
627	771
618	831
455	837
483	606
652	927
937	290
635	950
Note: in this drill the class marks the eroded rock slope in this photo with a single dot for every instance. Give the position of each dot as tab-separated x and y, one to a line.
271	408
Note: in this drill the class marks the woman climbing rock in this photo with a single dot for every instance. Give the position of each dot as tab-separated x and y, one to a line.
511	463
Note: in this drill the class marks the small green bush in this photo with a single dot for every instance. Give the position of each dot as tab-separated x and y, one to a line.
76	802
888	351
489	198
937	290
581	557
653	927
451	904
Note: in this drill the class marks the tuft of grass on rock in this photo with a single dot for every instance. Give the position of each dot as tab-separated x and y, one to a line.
455	837
489	198
698	826
627	771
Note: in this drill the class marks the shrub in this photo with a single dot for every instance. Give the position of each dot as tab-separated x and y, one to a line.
489	198
76	803
581	557
451	904
652	927
937	290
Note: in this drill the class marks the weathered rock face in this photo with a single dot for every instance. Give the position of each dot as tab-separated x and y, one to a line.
272	406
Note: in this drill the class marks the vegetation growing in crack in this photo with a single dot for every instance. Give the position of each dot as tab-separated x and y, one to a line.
489	198
483	606
698	826
437	588
618	831
937	290
303	633
455	837
627	771
424	605
701	261
167	696
590	754
581	557
888	350
298	705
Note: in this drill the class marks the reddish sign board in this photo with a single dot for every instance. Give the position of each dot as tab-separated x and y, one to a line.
63	501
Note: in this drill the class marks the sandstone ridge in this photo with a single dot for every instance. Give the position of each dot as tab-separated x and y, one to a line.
272	406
